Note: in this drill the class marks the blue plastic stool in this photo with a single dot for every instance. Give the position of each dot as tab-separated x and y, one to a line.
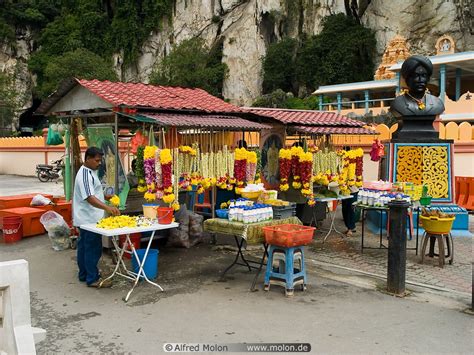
285	267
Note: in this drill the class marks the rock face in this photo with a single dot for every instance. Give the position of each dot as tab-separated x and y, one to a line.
246	28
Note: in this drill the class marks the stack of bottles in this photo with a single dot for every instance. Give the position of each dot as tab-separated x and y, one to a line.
378	198
258	212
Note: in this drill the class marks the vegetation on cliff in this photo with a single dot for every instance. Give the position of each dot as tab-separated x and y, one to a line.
87	30
342	52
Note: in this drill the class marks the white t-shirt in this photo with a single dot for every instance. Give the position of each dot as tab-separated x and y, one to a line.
87	184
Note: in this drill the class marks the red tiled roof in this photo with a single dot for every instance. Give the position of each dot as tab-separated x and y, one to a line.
208	121
305	117
162	97
334	130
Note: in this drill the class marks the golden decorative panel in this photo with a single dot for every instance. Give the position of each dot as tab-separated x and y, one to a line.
409	164
435	171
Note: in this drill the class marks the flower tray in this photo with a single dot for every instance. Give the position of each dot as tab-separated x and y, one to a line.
288	235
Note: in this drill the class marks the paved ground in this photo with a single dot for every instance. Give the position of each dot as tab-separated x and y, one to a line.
340	312
343	310
346	252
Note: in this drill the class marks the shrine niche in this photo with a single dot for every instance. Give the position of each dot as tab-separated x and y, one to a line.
395	51
445	45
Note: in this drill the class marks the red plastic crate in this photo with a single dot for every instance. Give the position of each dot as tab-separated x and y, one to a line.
288	235
64	209
19	200
31	219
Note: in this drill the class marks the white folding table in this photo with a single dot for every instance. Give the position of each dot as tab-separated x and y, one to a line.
114	234
332	214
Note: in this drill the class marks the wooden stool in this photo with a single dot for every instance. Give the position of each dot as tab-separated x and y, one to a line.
440	238
285	267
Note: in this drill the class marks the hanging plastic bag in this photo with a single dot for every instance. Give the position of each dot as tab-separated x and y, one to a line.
54	138
58	230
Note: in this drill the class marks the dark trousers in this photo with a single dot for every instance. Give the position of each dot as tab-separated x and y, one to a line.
89	251
348	213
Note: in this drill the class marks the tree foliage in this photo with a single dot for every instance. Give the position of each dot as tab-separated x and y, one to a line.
102	27
279	66
79	63
192	64
8	103
342	52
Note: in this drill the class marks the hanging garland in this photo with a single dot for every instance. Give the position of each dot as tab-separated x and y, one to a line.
240	166
166	173
149	167
296	152
251	168
139	170
284	161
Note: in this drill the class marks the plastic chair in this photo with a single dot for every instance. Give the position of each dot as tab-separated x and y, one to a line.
470	200
200	207
463	192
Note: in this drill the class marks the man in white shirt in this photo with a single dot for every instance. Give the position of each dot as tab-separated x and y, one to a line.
88	206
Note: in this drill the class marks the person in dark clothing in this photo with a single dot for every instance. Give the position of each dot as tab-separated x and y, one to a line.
348	212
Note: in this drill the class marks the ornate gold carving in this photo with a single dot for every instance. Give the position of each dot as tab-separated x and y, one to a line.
445	45
395	51
435	171
409	164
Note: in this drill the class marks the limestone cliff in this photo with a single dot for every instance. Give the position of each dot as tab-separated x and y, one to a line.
246	27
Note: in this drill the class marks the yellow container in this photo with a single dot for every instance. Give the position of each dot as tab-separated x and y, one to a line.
437	225
251	195
150	210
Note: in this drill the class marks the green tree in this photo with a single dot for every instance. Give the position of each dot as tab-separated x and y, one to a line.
8	103
343	52
79	63
279	68
192	64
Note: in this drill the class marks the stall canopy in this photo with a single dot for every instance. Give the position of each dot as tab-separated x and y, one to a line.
79	94
203	121
313	122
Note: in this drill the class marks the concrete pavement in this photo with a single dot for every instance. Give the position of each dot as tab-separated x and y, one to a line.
344	309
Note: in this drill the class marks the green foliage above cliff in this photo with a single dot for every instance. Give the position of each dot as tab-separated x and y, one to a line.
101	27
192	64
342	52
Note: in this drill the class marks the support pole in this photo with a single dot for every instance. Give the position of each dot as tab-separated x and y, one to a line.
458	83
397	247
67	167
442	82
366	101
339	102
397	76
117	153
320	102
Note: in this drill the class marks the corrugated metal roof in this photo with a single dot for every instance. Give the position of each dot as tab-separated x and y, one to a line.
162	97
334	130
305	117
205	121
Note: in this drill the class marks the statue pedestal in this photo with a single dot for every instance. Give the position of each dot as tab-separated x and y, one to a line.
413	129
422	162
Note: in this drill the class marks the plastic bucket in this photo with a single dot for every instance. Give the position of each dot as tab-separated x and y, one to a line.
151	264
165	215
135	238
12	229
149	210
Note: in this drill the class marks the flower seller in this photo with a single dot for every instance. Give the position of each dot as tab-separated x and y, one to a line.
88	207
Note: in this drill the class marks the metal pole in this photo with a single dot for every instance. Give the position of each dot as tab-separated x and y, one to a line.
397	247
67	166
116	189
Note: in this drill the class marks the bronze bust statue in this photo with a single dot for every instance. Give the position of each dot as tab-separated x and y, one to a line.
416	108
